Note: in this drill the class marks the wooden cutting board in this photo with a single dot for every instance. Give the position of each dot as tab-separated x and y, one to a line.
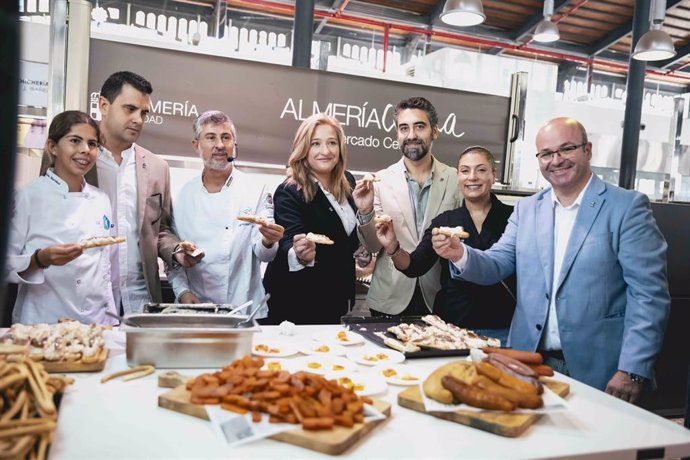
59	367
331	442
510	425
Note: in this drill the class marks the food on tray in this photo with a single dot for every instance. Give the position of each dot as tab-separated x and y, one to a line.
382	219
319	239
458	232
369	177
302	397
522	356
437	334
407	347
29	415
480	385
252	219
65	341
98	241
130	374
262	348
524	375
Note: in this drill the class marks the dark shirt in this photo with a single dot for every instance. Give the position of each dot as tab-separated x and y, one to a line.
461	302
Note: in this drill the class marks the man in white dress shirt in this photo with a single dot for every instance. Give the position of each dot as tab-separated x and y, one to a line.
591	268
206	211
138	185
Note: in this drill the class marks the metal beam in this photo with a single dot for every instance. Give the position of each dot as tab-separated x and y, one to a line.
535	19
633	103
302	34
333	8
436	12
621	31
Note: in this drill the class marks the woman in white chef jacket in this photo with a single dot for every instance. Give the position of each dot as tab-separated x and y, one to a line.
57	278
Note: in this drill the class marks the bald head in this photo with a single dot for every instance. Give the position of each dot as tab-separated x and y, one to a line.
564	123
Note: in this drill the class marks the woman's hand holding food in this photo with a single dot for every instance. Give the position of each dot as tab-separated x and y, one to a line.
305	250
363	194
447	247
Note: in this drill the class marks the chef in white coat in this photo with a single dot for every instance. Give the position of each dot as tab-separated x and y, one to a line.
57	278
205	213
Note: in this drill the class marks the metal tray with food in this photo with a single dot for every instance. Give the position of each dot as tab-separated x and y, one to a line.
418	336
187	340
189	308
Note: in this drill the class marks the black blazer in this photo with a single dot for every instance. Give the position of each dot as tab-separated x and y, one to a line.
461	302
314	295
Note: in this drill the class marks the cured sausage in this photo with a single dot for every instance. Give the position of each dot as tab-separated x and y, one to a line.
522	356
474	396
504	378
512	363
522	399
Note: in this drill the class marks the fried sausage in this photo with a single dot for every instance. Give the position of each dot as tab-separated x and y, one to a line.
474	396
542	370
522	356
521	399
505	379
512	363
534	381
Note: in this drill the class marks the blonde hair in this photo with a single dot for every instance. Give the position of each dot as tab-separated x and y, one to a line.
302	175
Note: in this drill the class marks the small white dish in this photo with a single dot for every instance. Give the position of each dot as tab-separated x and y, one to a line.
322	349
363	384
323	365
398	375
341	337
375	356
272	348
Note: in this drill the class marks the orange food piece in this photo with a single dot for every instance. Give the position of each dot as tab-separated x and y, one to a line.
389	372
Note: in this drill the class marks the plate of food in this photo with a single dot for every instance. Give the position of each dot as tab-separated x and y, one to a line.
273	349
362	384
398	375
323	365
374	356
341	337
322	348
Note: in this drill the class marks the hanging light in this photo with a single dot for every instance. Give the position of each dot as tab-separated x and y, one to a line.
655	45
463	13
546	31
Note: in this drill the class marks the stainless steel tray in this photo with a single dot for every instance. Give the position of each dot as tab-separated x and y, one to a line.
191	308
186	341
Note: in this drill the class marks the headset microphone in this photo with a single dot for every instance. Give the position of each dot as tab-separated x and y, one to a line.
234	156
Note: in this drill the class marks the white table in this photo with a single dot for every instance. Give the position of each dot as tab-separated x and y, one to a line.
122	420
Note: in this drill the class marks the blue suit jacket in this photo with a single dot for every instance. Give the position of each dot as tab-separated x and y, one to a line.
612	299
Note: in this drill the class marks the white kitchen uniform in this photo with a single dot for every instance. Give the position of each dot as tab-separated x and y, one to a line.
45	214
119	182
230	272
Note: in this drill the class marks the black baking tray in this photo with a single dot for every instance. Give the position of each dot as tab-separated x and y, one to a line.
368	326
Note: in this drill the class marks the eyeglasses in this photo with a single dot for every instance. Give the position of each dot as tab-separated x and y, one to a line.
563	152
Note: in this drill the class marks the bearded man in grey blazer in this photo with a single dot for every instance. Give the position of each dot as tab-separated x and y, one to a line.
138	184
412	191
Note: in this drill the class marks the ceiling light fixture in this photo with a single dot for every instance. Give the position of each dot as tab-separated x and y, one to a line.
463	13
655	45
546	31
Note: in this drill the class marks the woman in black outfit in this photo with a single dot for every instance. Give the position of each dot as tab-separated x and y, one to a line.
310	283
486	309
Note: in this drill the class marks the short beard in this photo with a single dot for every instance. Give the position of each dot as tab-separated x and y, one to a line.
416	153
217	165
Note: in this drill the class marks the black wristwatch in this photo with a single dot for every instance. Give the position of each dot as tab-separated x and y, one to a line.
634	378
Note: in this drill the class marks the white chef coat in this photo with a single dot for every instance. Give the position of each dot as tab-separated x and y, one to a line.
45	214
120	183
230	272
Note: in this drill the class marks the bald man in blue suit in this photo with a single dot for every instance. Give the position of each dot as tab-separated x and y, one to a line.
591	269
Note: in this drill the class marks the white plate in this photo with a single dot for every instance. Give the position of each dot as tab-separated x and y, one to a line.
341	337
365	384
375	356
322	349
273	348
398	375
324	365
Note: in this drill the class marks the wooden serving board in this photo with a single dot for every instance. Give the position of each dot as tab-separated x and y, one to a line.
503	424
59	367
331	442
